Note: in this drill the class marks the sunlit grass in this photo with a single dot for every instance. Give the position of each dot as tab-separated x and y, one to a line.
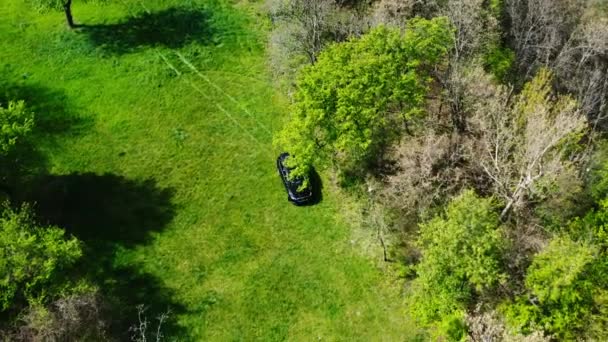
242	262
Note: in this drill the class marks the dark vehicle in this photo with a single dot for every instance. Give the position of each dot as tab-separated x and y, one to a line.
292	185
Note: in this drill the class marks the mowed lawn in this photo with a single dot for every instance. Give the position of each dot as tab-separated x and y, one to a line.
155	124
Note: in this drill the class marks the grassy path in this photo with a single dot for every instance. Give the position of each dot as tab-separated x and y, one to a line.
165	147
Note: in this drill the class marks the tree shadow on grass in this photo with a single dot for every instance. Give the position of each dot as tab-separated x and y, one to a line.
54	115
125	289
172	28
102	208
54	118
110	213
107	212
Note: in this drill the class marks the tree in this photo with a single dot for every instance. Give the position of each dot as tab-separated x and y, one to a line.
522	144
569	37
461	252
65	5
539	28
302	29
16	121
490	326
429	173
75	317
306	26
581	68
306	22
31	257
355	98
562	284
470	22
392	12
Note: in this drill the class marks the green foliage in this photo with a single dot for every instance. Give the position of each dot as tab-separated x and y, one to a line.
451	327
598	177
16	121
592	227
567	279
357	95
65	5
499	61
496	8
536	99
461	253
31	257
561	290
560	199
554	272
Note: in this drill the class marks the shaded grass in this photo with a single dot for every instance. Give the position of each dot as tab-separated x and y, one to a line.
223	247
172	27
101	209
109	213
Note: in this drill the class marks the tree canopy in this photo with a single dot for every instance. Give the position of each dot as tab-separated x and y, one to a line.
563	289
359	93
461	252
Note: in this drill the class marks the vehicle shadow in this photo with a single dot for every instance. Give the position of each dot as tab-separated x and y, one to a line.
173	28
110	213
317	188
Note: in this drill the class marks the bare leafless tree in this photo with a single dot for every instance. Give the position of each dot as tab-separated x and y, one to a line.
489	327
539	29
82	317
521	140
569	37
310	24
144	330
582	68
472	25
307	22
302	28
392	12
428	172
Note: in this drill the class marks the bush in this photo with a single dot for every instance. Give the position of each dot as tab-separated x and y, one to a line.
31	258
79	317
16	121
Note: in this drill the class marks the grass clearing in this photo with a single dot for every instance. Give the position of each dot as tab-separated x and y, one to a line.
167	171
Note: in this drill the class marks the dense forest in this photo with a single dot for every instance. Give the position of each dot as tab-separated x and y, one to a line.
469	134
474	131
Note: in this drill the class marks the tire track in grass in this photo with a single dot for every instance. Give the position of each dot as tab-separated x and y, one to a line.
208	98
230	116
218	88
211	83
200	91
225	186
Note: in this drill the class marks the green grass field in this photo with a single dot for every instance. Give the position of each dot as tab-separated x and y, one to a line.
154	146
